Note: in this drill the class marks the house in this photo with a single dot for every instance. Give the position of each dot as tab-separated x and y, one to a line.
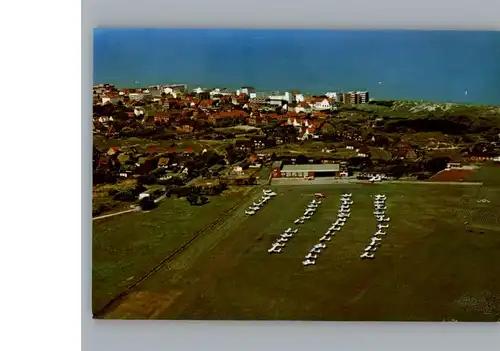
320	103
163	162
302	107
483	156
106	162
276	169
218	118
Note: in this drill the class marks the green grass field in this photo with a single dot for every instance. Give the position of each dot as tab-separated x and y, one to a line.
431	265
126	247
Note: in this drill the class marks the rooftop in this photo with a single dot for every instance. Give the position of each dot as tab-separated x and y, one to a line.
332	167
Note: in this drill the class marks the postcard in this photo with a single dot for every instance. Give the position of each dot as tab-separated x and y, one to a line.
312	175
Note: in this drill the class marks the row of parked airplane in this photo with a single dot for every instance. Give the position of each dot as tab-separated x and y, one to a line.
309	212
280	243
379	209
343	214
268	194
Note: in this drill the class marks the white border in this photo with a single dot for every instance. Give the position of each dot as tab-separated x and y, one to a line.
149	335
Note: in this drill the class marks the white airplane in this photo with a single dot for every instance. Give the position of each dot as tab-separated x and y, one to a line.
379	232
308	262
380	196
295	230
344	211
347	194
374	238
315	250
286	235
307	217
380	207
383	219
379	213
370	248
310	255
342	220
250	213
375	179
271	194
282	240
367	255
380	226
342	215
288	230
324	238
374	243
279	244
320	246
274	249
254	208
297	221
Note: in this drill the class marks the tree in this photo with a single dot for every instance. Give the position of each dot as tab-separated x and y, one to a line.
301	159
192	199
203	200
147	203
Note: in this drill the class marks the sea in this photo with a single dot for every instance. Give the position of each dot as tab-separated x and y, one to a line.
436	66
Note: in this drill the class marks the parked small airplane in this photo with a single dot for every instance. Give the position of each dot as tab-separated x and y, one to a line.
274	249
308	262
375	179
315	250
280	244
320	246
286	235
310	255
297	221
288	230
380	226
379	232
250	213
324	238
367	255
347	194
374	242
342	220
370	248
374	238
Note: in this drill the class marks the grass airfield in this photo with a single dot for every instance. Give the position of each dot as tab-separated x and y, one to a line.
439	261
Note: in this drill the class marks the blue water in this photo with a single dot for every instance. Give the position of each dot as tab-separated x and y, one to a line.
414	65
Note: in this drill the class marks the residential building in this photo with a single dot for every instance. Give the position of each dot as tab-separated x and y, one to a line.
362	97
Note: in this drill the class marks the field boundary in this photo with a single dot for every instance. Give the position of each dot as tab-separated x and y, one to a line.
109	306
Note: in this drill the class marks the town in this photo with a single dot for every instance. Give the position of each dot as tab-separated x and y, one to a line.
197	143
220	204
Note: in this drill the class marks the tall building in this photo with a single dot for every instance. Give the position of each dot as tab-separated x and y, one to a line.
362	97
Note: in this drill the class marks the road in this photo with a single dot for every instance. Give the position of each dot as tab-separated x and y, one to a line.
135	209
